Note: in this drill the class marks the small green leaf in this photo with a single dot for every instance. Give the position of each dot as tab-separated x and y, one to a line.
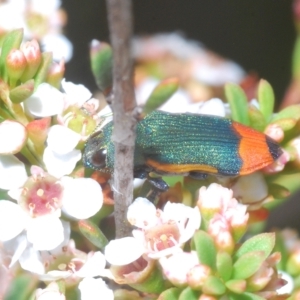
205	247
92	232
224	265
245	296
21	287
290	112
11	41
237	100
266	99
162	92
286	124
42	72
237	286
213	286
22	92
248	264
280	247
278	191
170	294
102	65
189	294
257	120
296	58
262	242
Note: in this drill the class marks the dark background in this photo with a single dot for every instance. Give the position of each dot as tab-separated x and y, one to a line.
257	34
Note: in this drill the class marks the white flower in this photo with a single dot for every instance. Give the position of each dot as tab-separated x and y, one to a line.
46	20
94	289
40	202
160	233
177	266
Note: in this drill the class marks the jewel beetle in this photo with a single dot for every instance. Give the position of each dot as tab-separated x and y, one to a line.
187	144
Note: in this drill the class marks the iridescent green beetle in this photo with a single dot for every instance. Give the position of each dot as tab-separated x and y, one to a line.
187	144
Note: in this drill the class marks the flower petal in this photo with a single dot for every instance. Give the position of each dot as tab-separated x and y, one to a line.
45	233
94	266
60	165
12	172
13	136
31	261
78	92
82	197
46	101
12	220
142	213
61	139
92	288
132	249
59	45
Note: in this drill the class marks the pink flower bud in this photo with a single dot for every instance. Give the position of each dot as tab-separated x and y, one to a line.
15	65
56	73
197	276
33	55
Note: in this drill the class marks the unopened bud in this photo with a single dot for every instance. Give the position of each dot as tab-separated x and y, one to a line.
15	65
32	53
197	276
56	73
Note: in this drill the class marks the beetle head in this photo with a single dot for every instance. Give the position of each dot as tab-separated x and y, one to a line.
94	155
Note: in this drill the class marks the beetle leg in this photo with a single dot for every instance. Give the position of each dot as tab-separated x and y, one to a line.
140	173
198	175
158	183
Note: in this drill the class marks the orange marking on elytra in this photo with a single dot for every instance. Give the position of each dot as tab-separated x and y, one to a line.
253	149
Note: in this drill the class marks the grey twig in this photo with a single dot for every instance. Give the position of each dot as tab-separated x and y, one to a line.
124	110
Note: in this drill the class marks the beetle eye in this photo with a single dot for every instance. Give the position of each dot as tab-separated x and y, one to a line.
98	158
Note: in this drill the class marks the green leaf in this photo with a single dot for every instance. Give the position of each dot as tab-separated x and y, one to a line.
237	100
224	265
296	58
278	191
11	41
257	120
93	233
285	124
213	286
262	242
189	294
266	99
22	92
237	286
245	296
170	294
280	247
162	92
42	72
102	64
248	264
290	112
205	247
21	287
